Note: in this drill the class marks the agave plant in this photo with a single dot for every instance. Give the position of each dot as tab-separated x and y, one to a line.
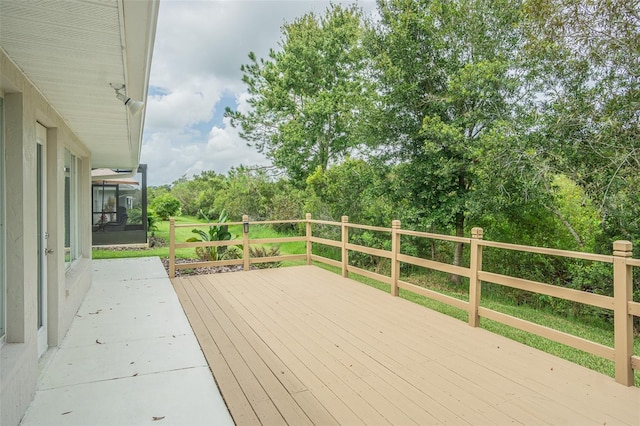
217	232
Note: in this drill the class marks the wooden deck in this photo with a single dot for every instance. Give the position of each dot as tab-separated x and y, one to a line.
301	345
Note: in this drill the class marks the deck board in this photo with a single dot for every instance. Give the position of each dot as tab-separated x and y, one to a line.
302	345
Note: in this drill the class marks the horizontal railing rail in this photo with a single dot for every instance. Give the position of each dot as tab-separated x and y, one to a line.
547	251
621	303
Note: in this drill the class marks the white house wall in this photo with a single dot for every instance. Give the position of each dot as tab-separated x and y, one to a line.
24	106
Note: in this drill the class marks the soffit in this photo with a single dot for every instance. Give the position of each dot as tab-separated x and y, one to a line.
71	51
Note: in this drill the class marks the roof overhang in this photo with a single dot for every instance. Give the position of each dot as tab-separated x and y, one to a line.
111	177
71	51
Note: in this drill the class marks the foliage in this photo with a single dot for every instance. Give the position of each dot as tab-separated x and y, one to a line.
152	220
366	261
217	232
355	188
449	72
166	205
134	215
154	192
585	56
262	251
286	204
199	192
517	116
246	191
307	96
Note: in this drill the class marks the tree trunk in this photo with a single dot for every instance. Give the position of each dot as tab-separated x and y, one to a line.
324	153
457	248
433	243
566	223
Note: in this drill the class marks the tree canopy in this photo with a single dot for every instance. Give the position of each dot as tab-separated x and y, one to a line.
307	96
521	116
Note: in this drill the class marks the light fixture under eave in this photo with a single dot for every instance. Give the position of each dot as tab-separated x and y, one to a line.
134	106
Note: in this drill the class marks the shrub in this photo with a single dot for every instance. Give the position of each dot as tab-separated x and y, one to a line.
261	251
152	220
285	207
166	206
134	215
218	232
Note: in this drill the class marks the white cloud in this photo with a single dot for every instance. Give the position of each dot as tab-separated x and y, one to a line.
175	155
242	100
179	109
200	46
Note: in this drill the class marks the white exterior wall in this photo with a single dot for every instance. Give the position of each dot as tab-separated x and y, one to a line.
24	106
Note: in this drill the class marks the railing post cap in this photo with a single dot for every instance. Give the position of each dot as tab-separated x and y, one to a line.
308	215
477	233
345	218
245	218
395	223
622	248
172	219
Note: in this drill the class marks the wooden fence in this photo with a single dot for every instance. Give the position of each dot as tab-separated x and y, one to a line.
621	303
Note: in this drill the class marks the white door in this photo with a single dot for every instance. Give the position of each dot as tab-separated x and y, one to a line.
41	183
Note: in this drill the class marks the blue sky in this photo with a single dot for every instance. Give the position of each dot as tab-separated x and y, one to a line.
200	46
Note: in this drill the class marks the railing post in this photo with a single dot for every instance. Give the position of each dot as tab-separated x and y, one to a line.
622	320
308	233
245	242
395	251
475	286
345	252
172	247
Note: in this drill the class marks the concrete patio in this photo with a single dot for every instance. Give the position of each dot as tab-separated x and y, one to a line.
129	357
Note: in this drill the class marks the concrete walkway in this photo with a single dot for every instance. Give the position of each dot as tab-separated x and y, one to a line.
129	358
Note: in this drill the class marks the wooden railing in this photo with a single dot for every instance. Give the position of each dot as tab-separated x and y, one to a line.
621	303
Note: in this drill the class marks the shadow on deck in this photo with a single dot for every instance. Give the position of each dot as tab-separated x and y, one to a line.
301	345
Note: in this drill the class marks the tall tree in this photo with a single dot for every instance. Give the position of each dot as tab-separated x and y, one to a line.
355	188
587	56
306	97
451	87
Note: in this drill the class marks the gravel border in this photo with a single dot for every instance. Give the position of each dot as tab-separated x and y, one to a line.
200	271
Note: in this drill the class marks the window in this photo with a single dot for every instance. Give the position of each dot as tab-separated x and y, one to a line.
71	205
3	290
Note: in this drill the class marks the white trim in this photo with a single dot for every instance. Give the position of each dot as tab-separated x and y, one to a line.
3	274
75	232
42	208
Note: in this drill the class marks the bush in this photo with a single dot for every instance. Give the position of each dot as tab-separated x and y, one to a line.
152	221
218	232
134	216
285	207
166	206
262	251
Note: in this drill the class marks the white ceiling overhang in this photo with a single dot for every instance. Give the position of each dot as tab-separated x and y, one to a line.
72	50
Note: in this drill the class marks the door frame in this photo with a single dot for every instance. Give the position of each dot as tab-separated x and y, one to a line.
42	236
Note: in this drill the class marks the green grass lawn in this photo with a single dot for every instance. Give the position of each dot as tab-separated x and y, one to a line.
182	234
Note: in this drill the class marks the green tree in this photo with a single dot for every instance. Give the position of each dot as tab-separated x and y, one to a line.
587	62
451	81
166	205
586	55
355	188
182	189
197	193
287	203
247	191
306	98
156	191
